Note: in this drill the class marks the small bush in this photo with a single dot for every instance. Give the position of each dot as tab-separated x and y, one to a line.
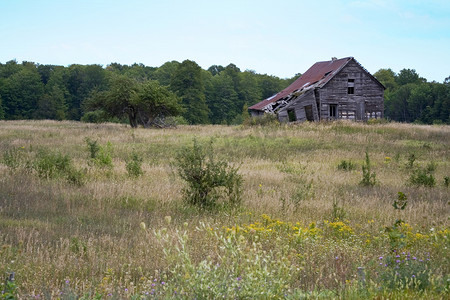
93	147
208	178
424	176
74	176
368	176
411	160
346	165
134	165
100	156
51	165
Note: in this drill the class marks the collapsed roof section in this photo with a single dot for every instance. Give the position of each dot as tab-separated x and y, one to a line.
315	77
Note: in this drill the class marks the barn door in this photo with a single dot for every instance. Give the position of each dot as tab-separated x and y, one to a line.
360	110
309	113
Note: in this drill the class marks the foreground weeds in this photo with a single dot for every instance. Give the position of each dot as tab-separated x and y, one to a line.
307	226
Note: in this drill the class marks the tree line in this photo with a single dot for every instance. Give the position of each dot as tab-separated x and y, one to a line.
142	95
410	98
135	93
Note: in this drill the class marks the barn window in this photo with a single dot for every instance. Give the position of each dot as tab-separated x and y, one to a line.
291	115
351	86
347	114
333	110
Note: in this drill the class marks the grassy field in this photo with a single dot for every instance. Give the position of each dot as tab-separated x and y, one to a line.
305	228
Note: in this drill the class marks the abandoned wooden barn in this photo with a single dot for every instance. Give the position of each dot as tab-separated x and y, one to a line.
335	89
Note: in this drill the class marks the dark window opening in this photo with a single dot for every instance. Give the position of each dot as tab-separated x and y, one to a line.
351	86
333	110
309	113
291	115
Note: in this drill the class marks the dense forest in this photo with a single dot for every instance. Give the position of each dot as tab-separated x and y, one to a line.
140	94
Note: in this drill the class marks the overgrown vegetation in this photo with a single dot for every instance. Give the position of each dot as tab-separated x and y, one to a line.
134	165
303	228
369	177
207	177
424	175
99	155
346	165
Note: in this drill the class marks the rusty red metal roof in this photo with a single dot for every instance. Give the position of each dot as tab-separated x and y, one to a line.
319	74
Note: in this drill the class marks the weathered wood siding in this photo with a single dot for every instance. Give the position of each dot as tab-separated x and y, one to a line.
298	105
366	102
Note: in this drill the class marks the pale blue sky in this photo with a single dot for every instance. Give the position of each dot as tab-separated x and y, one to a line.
279	37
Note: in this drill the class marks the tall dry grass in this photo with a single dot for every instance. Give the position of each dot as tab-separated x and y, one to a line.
54	234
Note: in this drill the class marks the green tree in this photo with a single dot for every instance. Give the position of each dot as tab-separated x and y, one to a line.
140	102
223	101
9	68
397	104
20	93
188	85
420	102
269	85
387	77
154	101
46	72
406	76
52	105
215	69
2	112
80	81
251	93
441	108
165	72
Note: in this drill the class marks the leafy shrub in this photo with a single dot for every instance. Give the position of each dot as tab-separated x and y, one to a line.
101	156
368	176
93	147
446	181
134	165
346	165
50	165
396	232
75	176
423	176
208	178
411	160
